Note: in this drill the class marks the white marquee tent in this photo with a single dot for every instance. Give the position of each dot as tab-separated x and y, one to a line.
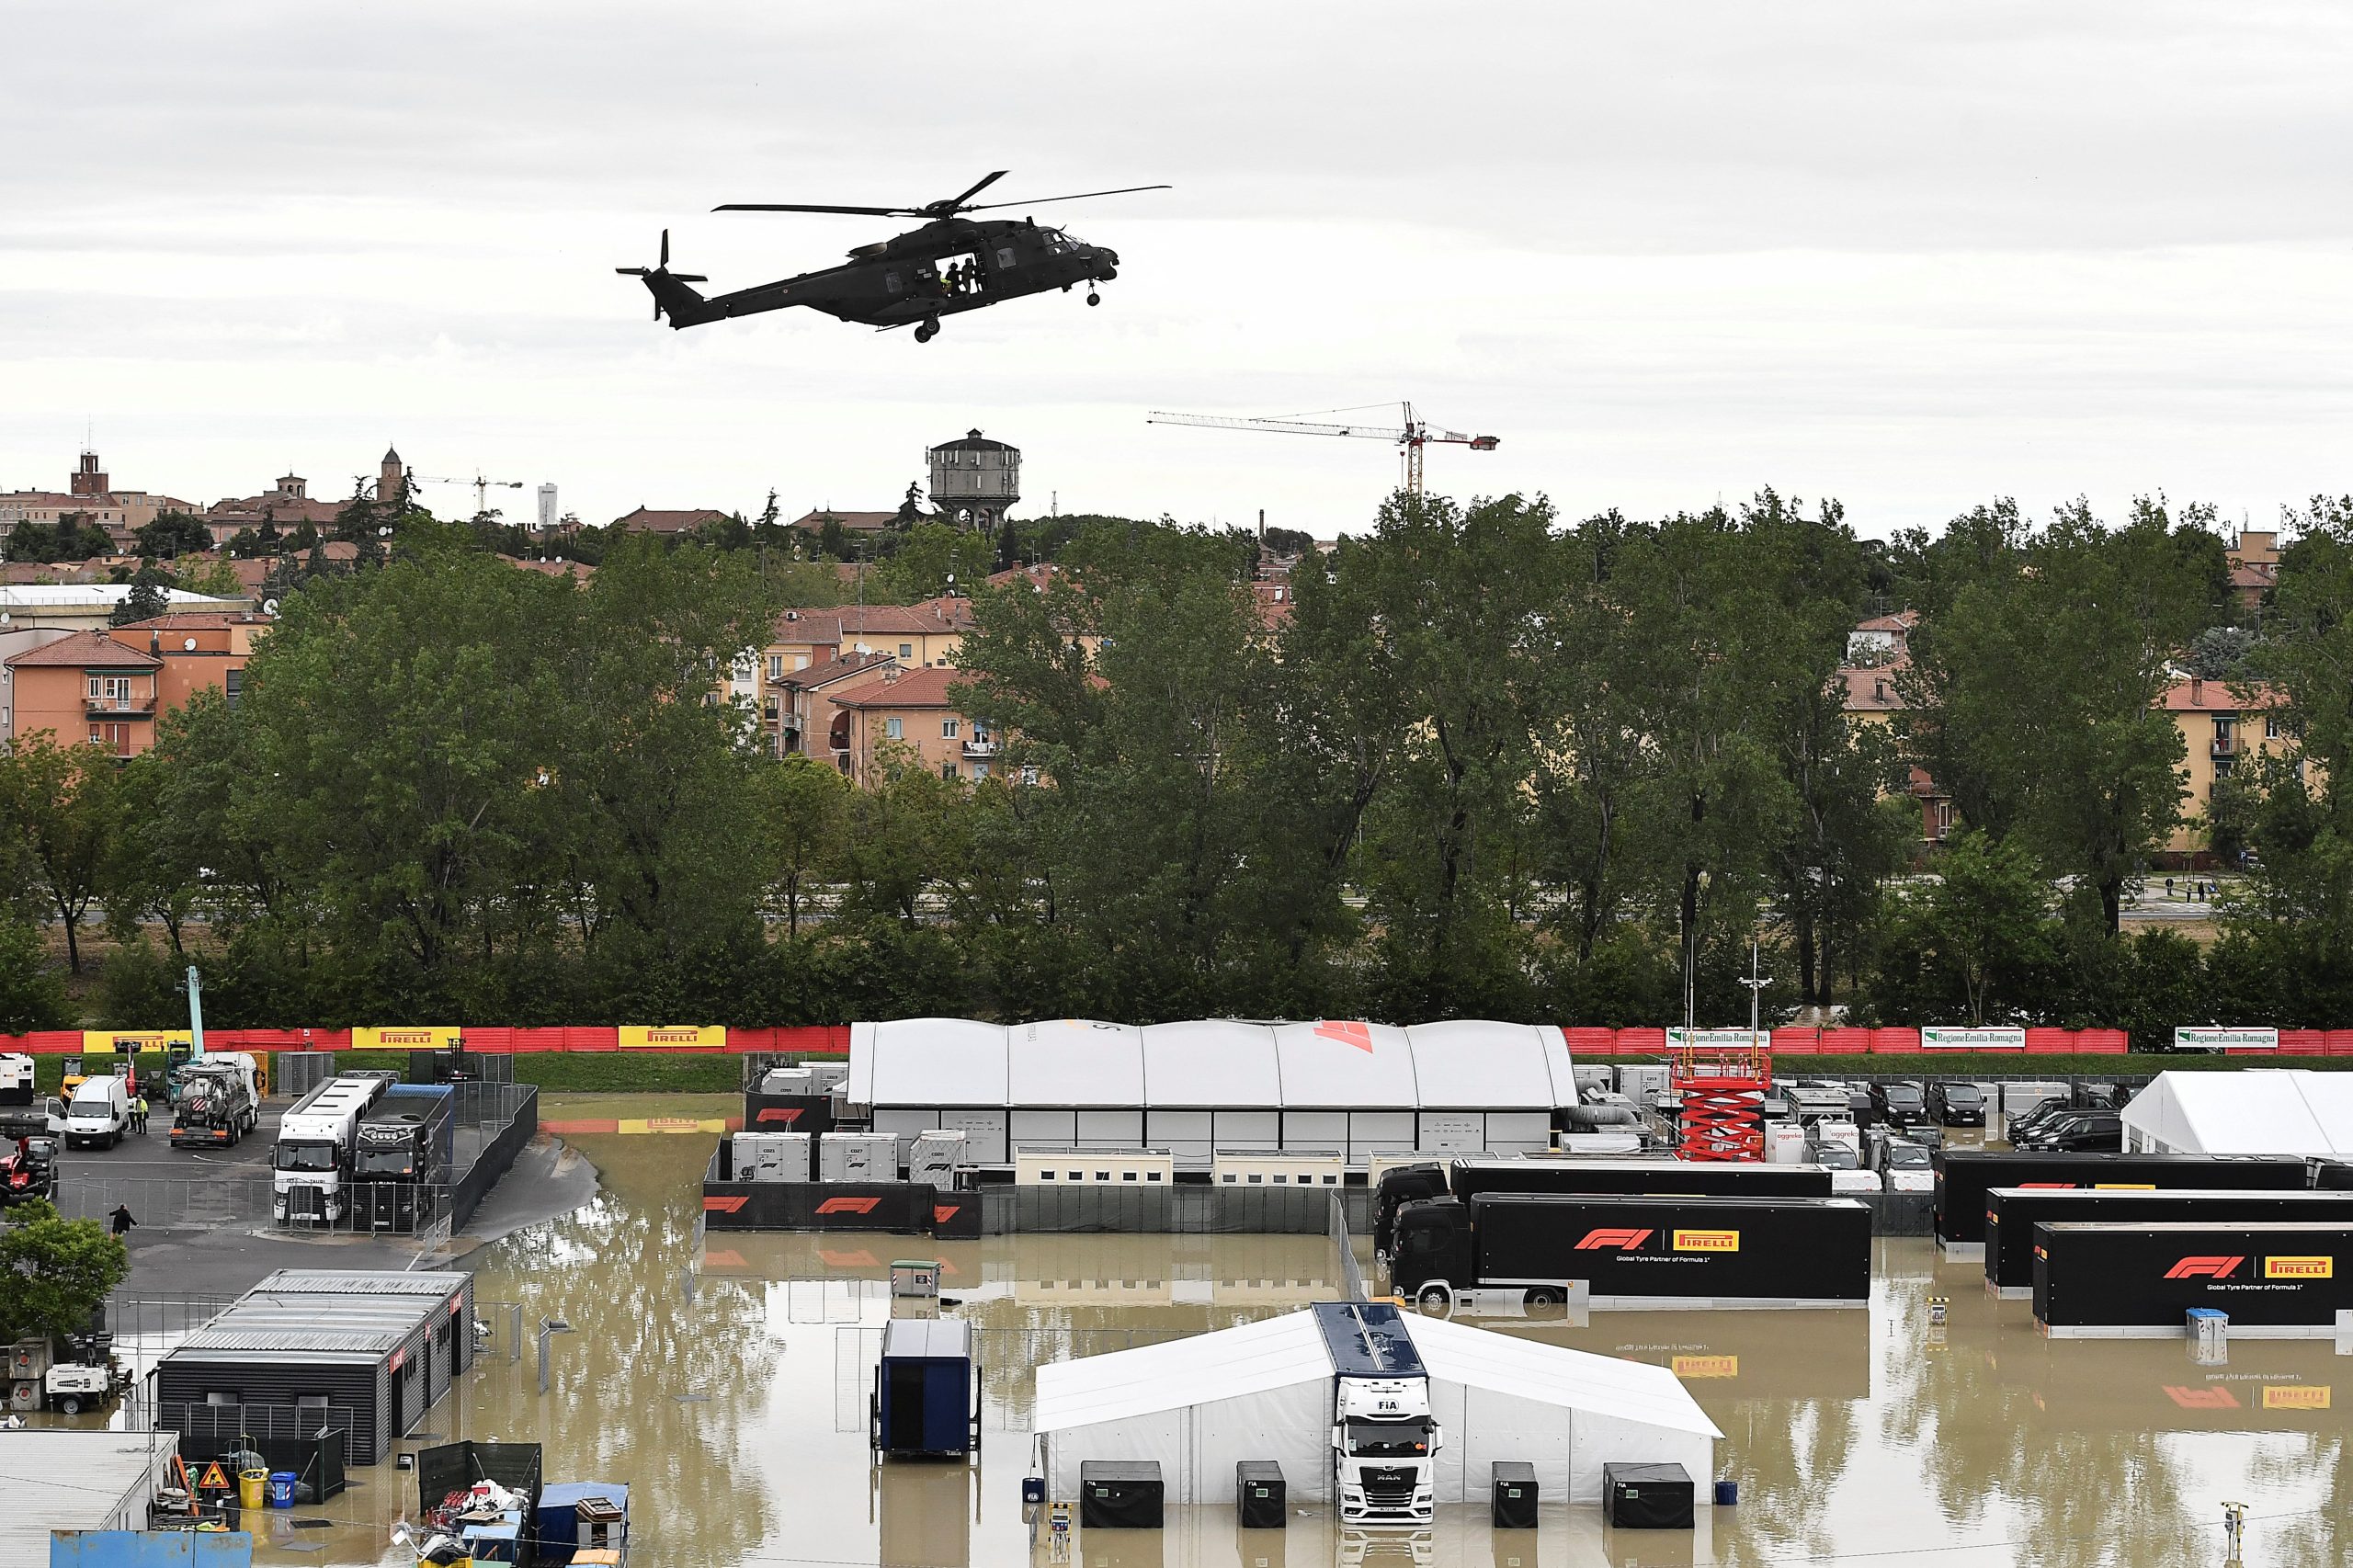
1198	1087
1264	1392
2255	1111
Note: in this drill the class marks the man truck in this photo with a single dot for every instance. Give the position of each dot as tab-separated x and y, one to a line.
407	1143
1384	1439
220	1102
314	1148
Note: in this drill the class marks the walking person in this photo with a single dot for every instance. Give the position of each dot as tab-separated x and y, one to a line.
120	1220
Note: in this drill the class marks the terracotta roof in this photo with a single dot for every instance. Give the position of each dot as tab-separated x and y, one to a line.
200	619
645	520
2254	574
1870	688
835	623
1902	620
916	688
551	568
2195	696
856	522
84	649
824	672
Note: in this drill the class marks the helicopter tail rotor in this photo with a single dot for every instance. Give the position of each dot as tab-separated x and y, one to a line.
671	295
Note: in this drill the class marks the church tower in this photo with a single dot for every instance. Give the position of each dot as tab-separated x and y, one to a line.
391	480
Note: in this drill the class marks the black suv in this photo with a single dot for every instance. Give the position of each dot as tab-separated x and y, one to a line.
1898	1105
1957	1104
2078	1132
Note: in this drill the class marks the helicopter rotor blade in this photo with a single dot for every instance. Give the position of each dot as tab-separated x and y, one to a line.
666	248
957	202
817	206
1080	196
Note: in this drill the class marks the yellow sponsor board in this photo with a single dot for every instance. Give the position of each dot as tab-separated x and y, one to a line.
1707	1241
2296	1396
673	1037
1707	1365
405	1036
2299	1268
2124	1186
660	1124
113	1042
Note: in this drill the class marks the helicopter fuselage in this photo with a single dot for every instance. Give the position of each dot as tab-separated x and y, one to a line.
906	279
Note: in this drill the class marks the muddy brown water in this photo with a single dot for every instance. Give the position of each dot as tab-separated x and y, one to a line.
726	1382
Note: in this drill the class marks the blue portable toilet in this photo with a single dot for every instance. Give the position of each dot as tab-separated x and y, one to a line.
926	1392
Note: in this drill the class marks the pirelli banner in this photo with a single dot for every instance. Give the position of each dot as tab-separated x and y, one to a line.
406	1037
117	1042
673	1037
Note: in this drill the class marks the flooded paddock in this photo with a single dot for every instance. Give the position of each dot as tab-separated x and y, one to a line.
727	1383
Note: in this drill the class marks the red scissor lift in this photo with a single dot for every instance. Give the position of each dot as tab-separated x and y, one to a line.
1721	1087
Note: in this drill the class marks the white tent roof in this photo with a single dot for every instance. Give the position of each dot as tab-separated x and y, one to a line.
1555	1375
1331	1064
2254	1112
1277	1352
1229	1363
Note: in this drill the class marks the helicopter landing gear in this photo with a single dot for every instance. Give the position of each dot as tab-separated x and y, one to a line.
927	331
1093	298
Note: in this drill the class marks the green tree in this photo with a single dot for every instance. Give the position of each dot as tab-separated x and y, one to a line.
173	534
1974	942
60	805
146	599
32	994
59	1272
924	560
212	577
803	810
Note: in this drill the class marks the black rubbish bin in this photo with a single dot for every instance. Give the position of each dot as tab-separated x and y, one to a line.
1119	1495
1258	1494
1515	1496
1646	1496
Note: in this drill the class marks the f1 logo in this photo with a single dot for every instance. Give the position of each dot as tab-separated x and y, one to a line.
2213	1398
943	1212
1624	1241
847	1206
725	1205
2204	1268
786	1114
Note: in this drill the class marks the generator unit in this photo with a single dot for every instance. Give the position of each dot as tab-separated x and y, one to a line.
1143	1167
772	1156
857	1156
936	1156
1279	1167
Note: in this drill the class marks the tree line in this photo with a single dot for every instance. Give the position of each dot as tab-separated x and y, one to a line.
1494	764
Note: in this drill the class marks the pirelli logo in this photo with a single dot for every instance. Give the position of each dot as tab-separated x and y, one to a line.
1617	1240
2124	1186
1707	1365
2299	1268
849	1206
2295	1396
1707	1241
2205	1268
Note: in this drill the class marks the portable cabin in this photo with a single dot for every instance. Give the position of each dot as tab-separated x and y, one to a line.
926	1392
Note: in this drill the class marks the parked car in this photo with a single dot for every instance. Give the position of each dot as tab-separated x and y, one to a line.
1899	1104
2078	1132
1957	1104
2038	1115
1903	1165
1838	1157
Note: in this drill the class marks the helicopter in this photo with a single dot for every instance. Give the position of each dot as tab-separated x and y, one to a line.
950	265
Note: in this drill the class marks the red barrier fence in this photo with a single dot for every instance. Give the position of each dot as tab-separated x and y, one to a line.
833	1039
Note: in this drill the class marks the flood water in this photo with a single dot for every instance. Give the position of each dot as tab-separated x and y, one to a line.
726	1384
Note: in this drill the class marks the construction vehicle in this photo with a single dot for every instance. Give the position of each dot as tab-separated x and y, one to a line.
220	1102
85	1377
1410	437
28	1170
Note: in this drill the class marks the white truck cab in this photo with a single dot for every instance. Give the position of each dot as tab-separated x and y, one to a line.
1385	1439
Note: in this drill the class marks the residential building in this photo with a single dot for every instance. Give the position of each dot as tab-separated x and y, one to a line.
2254	557
1883	639
920	636
110	688
2223	731
797	713
645	519
285	507
1872	699
814	521
90	497
909	713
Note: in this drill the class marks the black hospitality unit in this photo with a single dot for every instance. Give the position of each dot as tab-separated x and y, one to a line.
2279	1278
1963	1176
2012	1213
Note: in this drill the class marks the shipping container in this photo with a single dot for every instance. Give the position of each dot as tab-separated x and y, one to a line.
2276	1279
2012	1213
1531	1249
1963	1176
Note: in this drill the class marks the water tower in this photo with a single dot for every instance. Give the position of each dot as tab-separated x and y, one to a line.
975	481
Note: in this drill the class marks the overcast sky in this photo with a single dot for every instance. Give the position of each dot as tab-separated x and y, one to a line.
1909	255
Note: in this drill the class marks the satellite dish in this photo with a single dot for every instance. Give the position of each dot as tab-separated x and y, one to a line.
269	606
188	645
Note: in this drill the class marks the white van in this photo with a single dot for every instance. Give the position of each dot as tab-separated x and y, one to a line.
99	1112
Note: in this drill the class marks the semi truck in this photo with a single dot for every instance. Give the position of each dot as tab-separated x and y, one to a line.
219	1102
1465	1178
1963	1176
407	1141
1385	1440
2012	1213
1505	1251
315	1140
2273	1278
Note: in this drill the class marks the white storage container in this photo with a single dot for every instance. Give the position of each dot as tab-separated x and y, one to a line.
772	1156
1277	1168
857	1156
935	1158
1094	1168
790	1081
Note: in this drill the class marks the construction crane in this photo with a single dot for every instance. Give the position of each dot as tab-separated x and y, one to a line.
1412	437
481	487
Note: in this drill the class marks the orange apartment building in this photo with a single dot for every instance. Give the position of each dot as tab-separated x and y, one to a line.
895	709
108	689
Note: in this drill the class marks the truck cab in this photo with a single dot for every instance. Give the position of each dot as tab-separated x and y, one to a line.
219	1102
1384	1439
311	1159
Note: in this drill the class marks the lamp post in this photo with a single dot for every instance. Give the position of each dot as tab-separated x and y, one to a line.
549	1326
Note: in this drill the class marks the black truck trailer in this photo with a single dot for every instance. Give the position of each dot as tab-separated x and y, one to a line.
2012	1213
1506	1250
2276	1279
1466	1178
1963	1176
